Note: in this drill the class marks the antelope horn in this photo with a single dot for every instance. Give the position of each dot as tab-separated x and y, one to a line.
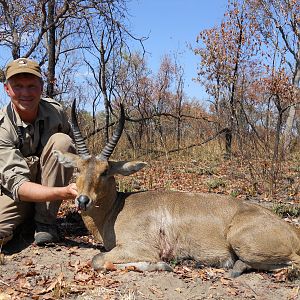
79	141
113	141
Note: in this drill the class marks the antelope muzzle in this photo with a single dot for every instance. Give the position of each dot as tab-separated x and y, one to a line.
82	202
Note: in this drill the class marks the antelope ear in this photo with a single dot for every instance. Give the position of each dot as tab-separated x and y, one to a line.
125	167
68	160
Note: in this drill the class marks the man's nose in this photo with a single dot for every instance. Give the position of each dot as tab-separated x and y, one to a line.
25	91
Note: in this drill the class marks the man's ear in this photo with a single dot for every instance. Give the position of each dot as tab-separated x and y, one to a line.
6	89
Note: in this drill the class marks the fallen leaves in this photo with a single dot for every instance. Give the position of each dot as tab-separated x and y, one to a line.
156	291
4	296
286	275
294	295
38	279
109	266
33	284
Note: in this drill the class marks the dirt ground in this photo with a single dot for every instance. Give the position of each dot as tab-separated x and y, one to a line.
63	271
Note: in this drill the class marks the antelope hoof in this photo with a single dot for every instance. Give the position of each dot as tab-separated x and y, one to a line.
98	263
238	269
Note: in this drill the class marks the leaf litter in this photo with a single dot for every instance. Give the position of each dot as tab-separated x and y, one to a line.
64	271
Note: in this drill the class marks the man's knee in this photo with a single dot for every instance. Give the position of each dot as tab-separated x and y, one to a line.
52	172
62	142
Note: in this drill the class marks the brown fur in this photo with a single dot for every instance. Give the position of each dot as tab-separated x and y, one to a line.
148	229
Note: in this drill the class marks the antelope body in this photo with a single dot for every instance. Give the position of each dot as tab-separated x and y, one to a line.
148	229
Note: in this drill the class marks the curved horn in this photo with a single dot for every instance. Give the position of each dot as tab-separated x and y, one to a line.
79	141
113	141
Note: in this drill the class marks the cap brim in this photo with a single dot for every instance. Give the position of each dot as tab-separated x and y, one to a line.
23	71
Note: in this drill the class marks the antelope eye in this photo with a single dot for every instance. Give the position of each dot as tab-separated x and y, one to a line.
104	173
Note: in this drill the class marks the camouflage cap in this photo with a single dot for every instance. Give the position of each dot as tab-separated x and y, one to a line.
22	65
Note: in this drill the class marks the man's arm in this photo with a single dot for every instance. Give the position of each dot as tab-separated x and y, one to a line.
34	192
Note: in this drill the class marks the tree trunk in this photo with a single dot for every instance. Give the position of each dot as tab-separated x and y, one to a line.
51	50
232	102
179	107
292	111
103	86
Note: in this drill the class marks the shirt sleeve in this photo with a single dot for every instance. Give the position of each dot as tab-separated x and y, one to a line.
58	112
13	168
66	125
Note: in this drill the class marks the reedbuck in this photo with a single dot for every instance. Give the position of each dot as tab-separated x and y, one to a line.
147	229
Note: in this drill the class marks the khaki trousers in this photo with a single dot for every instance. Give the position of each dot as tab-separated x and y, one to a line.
48	172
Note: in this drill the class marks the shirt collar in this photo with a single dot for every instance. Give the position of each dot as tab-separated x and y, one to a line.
43	113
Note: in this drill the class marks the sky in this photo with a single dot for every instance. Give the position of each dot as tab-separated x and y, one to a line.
172	25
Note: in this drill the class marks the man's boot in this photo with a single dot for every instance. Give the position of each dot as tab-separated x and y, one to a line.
45	234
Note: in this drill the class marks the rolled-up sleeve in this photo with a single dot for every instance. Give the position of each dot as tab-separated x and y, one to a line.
13	168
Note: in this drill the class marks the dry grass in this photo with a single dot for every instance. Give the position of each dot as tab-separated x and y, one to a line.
205	169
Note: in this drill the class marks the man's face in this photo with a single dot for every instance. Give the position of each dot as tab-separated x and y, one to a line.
25	91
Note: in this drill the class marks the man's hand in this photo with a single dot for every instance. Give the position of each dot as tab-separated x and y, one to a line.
71	190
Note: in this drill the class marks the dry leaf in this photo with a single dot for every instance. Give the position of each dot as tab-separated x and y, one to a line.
225	281
83	276
28	262
57	281
294	294
109	266
4	296
24	284
232	291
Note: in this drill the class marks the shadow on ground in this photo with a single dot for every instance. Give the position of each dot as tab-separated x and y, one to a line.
71	230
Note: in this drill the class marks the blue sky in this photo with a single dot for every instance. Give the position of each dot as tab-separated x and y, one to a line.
171	25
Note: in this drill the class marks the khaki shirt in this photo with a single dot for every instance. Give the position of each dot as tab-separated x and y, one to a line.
14	167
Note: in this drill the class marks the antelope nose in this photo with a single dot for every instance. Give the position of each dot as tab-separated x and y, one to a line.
83	201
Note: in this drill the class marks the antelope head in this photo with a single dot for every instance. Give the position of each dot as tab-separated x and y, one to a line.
95	181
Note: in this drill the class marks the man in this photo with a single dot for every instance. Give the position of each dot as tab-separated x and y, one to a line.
32	182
